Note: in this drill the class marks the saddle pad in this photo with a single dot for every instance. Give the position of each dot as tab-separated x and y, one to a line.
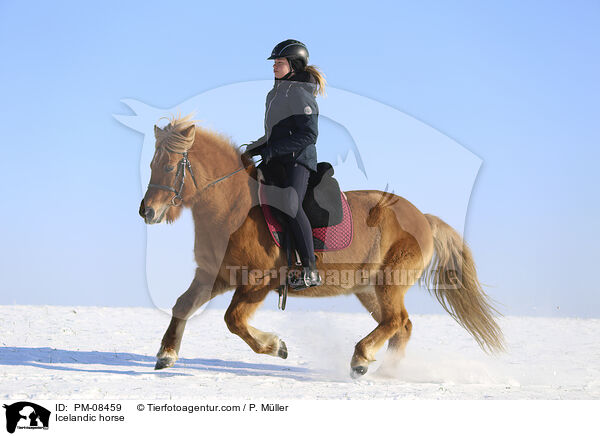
330	238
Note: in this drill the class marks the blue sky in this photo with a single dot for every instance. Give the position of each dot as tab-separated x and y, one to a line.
515	83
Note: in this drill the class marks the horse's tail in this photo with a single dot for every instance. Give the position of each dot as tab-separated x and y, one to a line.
452	278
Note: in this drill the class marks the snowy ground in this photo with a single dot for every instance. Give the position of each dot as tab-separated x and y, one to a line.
49	352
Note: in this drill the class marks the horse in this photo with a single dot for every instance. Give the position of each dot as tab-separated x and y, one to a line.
394	246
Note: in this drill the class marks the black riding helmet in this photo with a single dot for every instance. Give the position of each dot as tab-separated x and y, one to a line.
295	51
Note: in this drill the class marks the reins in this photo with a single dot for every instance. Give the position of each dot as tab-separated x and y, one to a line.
184	164
228	175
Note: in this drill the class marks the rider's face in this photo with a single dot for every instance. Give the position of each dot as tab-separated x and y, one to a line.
281	67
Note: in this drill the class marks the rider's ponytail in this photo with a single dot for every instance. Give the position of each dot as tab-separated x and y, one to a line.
319	77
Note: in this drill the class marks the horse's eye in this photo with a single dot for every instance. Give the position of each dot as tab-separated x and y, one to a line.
169	168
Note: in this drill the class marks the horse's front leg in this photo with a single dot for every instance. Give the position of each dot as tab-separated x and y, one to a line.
201	290
244	303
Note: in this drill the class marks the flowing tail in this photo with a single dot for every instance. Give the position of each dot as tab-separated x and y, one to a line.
452	278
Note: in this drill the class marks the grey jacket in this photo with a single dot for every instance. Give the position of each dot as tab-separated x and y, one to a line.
291	122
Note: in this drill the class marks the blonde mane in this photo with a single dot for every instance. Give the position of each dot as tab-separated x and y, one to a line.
174	137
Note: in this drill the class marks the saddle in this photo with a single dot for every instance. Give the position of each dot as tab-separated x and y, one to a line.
324	203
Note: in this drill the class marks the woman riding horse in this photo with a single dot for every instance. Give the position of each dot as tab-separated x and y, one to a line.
288	146
394	245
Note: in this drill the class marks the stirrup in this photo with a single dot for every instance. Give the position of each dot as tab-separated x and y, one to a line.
304	279
283	291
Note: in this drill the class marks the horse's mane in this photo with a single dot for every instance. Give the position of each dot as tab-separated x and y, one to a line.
173	137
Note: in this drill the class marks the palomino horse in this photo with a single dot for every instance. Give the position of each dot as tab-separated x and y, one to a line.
393	247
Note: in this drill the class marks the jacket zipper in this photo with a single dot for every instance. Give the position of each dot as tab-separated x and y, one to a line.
268	109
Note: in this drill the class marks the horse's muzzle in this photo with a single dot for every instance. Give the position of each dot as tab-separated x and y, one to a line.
147	213
142	211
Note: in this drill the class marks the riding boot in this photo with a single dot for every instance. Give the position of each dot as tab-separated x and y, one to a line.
313	273
313	278
308	277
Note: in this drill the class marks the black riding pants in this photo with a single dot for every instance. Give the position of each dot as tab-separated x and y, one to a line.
296	177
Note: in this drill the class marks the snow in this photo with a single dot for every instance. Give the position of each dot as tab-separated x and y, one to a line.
52	352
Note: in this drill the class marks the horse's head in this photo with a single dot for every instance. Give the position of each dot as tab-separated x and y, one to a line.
172	181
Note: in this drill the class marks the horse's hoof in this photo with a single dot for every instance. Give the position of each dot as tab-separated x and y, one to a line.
165	362
358	371
282	351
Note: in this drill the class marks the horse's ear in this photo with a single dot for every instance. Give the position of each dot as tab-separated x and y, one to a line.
189	131
156	131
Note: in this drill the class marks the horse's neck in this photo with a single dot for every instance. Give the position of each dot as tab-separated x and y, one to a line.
224	205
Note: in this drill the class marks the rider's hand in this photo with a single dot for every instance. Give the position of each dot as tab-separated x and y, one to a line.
246	158
249	154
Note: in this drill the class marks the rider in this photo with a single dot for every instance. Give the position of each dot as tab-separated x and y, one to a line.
288	146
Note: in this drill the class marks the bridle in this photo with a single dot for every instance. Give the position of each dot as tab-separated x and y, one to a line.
184	164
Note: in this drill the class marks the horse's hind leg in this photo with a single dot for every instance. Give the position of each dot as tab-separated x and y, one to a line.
369	301
387	308
199	292
243	305
397	343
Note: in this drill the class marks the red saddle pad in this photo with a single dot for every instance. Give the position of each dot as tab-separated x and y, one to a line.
329	238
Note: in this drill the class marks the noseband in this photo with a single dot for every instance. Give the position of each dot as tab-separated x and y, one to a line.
183	164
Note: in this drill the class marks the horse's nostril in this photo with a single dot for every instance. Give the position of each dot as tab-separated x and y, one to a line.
142	211
149	214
